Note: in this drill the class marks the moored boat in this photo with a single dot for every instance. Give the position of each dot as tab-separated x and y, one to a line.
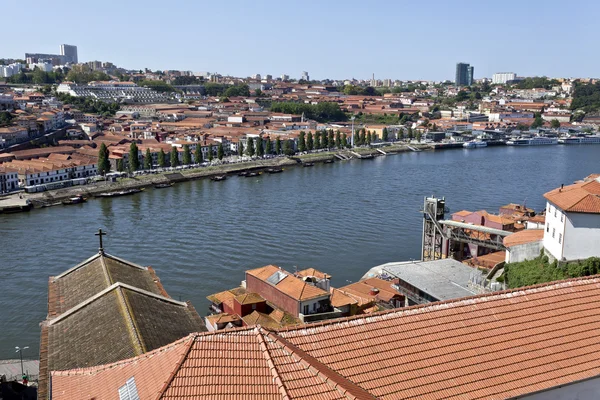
274	170
74	200
308	164
534	141
119	193
473	144
163	185
218	178
586	139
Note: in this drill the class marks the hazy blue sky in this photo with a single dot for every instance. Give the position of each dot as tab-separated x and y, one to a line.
328	38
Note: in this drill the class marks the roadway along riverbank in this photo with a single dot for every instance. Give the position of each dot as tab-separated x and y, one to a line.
55	197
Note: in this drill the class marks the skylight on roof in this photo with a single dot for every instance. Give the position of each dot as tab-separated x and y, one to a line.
276	277
129	391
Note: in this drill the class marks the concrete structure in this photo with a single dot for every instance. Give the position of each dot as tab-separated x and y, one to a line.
464	74
573	220
429	281
500	78
524	245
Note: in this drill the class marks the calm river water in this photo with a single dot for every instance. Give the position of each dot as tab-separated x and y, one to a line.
201	236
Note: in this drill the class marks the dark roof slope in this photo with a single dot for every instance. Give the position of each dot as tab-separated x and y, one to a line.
94	275
120	322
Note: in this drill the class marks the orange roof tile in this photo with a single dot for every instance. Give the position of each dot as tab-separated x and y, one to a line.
249	298
264	272
544	334
526	236
340	299
298	289
313	272
581	197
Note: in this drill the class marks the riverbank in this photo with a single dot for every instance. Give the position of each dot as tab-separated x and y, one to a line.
55	197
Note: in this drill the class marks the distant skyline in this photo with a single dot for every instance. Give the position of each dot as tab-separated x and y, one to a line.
332	39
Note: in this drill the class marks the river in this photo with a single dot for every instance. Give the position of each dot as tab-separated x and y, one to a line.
201	236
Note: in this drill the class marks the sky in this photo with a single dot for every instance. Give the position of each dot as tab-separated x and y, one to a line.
396	39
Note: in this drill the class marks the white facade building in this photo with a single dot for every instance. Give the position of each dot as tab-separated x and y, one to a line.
501	78
572	230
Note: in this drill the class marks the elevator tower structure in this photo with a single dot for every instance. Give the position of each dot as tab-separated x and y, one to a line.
434	210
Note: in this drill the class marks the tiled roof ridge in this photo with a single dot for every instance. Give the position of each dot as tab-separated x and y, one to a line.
272	368
106	272
158	283
100	368
330	377
112	287
92	258
182	359
452	302
132	327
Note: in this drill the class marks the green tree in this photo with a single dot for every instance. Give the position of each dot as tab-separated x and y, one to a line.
419	137
344	140
287	148
385	135
260	150
211	155
309	142
134	160
278	146
161	159
317	140
410	134
198	159
363	136
330	140
555	124
174	157
537	122
148	160
187	155
268	145
240	149
301	142
103	162
250	147
369	137
120	166
220	151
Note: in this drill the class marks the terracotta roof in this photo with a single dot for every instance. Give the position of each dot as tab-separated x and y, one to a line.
264	272
243	363
463	213
249	298
223	318
490	346
522	237
298	289
363	288
151	371
314	272
339	299
581	197
264	320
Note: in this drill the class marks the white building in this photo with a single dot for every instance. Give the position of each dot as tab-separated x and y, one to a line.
501	78
9	180
572	229
46	67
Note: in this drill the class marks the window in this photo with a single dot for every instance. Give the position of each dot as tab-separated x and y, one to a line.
561	217
553	232
129	391
555	213
547	227
560	238
305	309
254	306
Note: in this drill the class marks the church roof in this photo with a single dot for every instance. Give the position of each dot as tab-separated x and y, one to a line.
94	275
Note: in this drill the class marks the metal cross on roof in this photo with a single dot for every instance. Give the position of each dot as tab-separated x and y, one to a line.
100	234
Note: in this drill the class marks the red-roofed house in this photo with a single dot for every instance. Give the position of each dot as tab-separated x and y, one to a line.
573	221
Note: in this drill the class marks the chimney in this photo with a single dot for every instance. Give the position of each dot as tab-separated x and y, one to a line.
374	292
562	185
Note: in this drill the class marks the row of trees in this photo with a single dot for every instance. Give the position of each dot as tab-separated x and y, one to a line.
89	105
173	158
322	112
260	147
224	90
